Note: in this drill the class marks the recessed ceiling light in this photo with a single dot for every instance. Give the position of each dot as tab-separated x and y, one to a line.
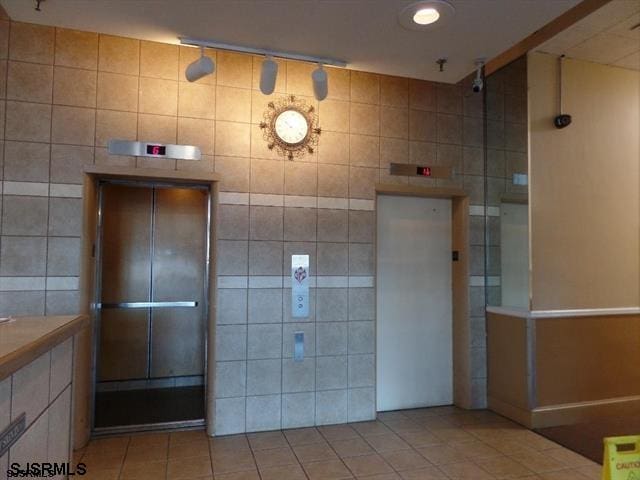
426	14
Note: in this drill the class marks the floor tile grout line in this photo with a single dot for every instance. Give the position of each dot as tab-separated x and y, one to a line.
286	439
124	457
253	455
166	468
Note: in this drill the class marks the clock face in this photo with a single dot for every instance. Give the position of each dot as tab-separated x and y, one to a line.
291	127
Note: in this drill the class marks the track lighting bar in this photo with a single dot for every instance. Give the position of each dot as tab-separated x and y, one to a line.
260	51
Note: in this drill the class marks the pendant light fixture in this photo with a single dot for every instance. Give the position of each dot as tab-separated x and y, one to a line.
268	75
320	83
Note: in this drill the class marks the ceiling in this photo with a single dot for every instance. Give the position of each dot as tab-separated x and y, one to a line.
606	36
365	33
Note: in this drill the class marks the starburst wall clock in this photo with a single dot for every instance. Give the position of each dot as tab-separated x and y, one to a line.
290	126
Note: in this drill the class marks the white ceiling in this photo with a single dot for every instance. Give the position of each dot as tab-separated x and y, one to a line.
365	33
606	36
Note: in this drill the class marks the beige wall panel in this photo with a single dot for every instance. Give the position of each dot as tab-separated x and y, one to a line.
587	358
570	414
507	361
585	216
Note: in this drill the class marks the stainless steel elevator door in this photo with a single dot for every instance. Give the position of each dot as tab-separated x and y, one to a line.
126	277
153	248
177	334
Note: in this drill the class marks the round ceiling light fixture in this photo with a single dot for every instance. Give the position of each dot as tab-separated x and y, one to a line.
426	14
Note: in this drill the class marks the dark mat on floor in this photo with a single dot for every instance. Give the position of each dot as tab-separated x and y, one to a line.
142	407
586	438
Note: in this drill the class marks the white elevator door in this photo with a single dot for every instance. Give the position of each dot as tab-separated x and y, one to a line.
414	289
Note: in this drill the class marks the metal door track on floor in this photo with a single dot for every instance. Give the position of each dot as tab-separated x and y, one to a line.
151	427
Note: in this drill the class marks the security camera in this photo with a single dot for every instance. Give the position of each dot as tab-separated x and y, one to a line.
478	83
562	120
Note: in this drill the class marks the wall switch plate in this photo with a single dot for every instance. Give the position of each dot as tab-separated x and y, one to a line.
298	346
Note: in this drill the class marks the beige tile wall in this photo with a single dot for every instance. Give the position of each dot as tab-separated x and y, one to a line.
506	150
65	93
506	154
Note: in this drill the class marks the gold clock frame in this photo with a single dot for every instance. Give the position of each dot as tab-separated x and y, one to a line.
290	150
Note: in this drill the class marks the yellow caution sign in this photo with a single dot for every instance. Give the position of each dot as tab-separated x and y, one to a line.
621	458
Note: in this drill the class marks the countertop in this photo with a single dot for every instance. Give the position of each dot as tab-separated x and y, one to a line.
24	339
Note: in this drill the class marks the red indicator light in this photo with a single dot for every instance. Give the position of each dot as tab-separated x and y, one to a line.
156	149
424	171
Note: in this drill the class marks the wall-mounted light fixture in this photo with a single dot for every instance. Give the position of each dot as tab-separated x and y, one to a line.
200	68
269	70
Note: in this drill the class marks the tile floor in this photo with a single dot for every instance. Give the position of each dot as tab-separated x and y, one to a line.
586	438
443	443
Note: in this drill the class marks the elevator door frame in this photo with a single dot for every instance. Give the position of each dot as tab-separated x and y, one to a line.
462	378
98	293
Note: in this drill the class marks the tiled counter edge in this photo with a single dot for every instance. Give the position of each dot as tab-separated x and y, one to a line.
40	392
